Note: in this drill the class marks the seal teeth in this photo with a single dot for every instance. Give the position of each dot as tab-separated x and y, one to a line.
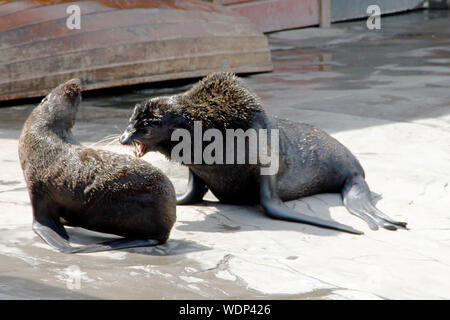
135	151
139	149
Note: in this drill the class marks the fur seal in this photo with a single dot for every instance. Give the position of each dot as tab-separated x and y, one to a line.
310	161
93	189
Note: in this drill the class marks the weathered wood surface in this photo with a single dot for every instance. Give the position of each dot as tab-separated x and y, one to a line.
120	43
274	15
353	9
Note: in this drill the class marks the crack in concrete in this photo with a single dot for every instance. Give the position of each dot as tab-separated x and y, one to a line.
221	265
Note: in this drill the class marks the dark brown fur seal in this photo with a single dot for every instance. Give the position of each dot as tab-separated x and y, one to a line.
310	160
93	189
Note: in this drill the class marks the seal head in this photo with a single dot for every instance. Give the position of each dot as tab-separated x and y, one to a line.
220	100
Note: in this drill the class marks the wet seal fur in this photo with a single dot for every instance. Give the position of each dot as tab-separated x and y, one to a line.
310	161
93	189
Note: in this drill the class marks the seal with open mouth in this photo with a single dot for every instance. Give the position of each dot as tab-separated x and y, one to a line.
310	160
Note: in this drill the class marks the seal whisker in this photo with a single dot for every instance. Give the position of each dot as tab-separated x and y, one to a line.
100	141
111	142
104	139
117	128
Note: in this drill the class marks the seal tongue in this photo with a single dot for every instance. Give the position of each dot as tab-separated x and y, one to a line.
140	148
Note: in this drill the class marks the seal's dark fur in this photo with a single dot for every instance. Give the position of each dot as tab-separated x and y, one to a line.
310	160
93	189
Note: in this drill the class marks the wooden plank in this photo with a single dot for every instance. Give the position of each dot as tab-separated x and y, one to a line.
273	15
119	47
110	37
106	77
325	13
228	2
18	5
117	18
47	12
352	9
124	53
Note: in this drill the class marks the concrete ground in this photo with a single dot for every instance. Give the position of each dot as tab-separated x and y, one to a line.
383	93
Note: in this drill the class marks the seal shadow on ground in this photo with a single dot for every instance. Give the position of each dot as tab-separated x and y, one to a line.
225	218
82	236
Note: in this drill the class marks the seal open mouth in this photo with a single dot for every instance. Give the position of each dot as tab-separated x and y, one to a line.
139	149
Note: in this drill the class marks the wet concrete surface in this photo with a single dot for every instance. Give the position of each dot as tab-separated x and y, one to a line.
383	93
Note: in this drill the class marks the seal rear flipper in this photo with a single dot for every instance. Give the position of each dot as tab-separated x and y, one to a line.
275	208
195	191
357	199
124	243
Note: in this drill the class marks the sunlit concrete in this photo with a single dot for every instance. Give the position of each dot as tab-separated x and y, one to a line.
383	93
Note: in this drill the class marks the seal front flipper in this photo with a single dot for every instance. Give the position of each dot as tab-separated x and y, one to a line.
56	236
53	233
196	189
357	200
275	208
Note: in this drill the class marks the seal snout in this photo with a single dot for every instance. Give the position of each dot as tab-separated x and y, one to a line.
72	88
126	137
